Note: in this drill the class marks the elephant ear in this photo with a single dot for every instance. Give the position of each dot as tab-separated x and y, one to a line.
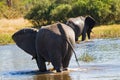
25	39
89	21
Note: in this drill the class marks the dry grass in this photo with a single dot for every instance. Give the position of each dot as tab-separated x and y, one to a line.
107	31
8	27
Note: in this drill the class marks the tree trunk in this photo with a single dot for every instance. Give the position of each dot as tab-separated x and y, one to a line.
9	3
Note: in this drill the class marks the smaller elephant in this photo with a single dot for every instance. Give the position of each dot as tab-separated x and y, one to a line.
81	25
25	39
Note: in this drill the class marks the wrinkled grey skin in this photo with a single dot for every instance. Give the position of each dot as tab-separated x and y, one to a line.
51	46
81	25
25	39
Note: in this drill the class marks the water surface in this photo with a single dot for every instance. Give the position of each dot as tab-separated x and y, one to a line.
15	64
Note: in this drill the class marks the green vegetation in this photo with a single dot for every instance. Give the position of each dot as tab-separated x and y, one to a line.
42	12
103	11
5	39
86	57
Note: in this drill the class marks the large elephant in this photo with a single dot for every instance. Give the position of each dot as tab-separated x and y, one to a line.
52	43
81	25
52	46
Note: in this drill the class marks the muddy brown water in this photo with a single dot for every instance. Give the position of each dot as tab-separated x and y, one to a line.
15	64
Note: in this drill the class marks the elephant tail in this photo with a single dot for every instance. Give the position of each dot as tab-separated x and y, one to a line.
73	51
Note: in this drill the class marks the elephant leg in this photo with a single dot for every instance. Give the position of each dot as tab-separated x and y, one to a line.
88	34
57	61
83	36
67	58
41	64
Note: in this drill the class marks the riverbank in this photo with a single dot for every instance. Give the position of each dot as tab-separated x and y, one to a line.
106	31
9	27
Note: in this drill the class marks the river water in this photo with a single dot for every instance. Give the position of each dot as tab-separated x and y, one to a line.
15	64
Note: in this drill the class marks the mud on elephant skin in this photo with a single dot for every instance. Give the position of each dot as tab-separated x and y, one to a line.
81	25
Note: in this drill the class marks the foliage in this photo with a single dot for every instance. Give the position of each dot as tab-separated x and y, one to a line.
104	11
62	11
40	13
43	12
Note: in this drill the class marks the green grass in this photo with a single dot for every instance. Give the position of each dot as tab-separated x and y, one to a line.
86	57
5	39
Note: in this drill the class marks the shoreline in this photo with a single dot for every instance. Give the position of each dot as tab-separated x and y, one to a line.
9	27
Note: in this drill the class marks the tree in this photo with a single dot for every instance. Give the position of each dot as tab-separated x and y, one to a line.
9	3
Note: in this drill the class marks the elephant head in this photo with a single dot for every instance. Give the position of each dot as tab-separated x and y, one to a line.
25	39
81	25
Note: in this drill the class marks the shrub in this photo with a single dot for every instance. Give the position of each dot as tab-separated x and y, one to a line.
39	13
103	11
61	12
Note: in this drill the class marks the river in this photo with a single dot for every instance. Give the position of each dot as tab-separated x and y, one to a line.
15	64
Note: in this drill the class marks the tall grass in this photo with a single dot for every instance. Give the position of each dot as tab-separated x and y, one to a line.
86	57
107	31
9	27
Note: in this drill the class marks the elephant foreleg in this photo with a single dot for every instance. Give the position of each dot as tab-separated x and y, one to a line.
41	64
88	34
83	36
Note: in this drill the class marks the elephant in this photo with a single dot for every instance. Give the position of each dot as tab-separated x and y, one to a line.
53	43
81	25
49	44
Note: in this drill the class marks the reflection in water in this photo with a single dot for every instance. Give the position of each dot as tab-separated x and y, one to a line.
16	73
15	64
55	76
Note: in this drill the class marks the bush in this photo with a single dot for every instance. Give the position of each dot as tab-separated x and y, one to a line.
61	12
39	14
47	12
